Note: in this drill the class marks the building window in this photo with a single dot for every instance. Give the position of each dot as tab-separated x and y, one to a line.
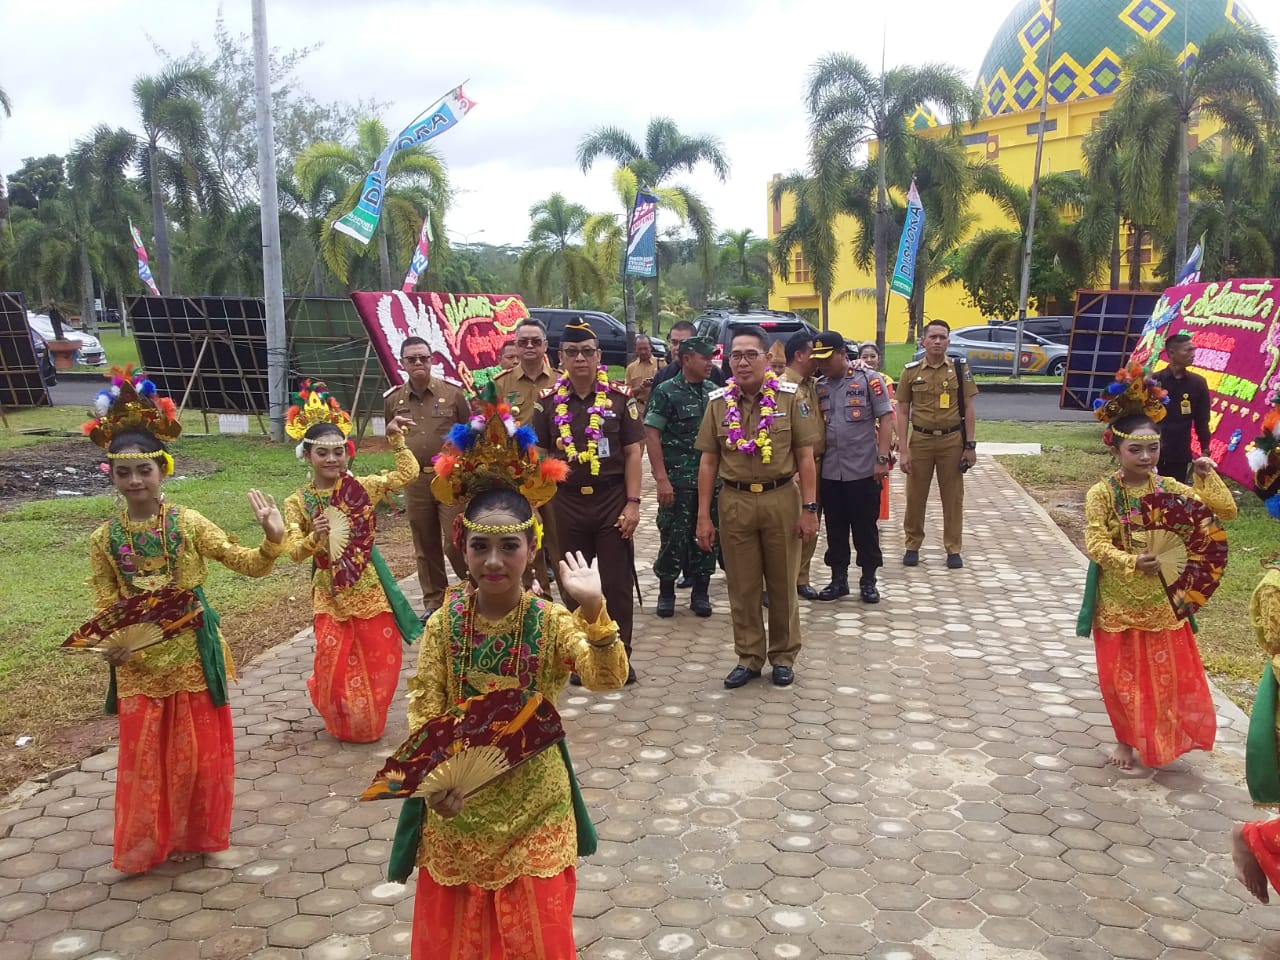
800	272
1034	128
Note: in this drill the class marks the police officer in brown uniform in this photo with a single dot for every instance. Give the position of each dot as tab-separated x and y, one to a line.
764	515
802	362
520	386
596	510
434	406
941	439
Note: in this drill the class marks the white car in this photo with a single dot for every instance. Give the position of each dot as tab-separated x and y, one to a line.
90	353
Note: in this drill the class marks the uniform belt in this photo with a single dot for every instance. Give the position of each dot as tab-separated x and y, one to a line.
936	433
763	487
597	486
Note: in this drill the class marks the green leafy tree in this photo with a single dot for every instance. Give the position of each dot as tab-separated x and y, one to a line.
416	182
811	233
38	179
1232	82
1231	209
555	262
744	268
849	108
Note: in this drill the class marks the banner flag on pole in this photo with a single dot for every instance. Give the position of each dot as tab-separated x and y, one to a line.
445	115
421	255
904	274
642	237
144	268
1191	269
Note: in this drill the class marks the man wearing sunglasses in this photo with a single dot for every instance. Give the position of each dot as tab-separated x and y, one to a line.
435	406
594	424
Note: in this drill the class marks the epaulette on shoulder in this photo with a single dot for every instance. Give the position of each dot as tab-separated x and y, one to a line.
717	393
912	363
387	393
543	394
620	387
786	386
500	375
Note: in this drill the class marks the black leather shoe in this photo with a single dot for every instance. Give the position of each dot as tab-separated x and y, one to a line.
631	675
764	599
740	676
575	680
699	600
954	561
806	592
666	599
839	585
911	558
783	676
426	614
867	588
685	582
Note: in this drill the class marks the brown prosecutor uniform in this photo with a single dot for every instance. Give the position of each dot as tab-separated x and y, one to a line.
759	508
521	391
807	391
930	397
587	507
434	411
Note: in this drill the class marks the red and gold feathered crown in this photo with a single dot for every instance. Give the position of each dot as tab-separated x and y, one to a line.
312	404
1131	393
492	451
131	403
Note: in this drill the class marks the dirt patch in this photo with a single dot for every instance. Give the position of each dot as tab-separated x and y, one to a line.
59	739
1065	504
60	469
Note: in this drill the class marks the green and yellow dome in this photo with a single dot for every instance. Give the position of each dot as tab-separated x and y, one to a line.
1090	41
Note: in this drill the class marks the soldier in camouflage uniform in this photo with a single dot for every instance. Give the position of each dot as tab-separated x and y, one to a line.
671	423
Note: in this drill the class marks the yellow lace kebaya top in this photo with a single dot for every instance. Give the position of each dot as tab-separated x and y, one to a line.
364	598
523	823
1264	614
1126	598
129	557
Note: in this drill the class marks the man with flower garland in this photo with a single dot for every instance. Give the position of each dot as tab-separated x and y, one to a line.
594	425
756	435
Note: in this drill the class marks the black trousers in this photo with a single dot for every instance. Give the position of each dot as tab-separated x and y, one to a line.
1175	467
586	524
853	506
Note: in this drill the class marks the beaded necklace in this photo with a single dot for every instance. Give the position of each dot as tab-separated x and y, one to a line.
564	422
132	561
465	674
1128	509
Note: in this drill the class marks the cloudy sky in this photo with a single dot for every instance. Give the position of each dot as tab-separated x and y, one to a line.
544	72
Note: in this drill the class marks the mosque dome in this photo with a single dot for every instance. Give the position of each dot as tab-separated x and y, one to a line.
1090	41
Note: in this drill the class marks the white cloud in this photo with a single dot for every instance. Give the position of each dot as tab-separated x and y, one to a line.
544	73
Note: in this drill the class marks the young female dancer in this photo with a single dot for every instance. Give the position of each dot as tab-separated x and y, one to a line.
361	617
1153	681
496	873
176	770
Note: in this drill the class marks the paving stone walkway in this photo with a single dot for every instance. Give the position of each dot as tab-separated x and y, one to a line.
932	787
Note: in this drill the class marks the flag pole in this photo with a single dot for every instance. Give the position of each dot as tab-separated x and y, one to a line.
1024	288
269	209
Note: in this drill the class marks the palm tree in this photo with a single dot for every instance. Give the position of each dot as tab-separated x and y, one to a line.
553	258
666	152
1229	207
1232	81
172	152
850	107
811	233
310	208
415	184
6	105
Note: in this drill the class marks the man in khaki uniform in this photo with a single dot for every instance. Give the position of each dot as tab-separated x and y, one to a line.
764	515
640	373
802	362
434	406
520	387
941	440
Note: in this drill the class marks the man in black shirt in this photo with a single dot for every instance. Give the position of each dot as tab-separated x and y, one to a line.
1188	406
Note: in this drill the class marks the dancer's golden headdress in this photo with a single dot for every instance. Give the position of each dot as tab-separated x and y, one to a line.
1130	394
313	404
131	404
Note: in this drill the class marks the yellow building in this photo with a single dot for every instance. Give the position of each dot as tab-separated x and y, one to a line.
1090	40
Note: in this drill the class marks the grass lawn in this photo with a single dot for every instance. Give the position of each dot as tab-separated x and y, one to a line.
1072	459
119	349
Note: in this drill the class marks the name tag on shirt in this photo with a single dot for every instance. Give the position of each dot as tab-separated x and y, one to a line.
944	401
602	447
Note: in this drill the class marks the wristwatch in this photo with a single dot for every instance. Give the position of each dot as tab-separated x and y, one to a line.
809	507
882	458
971	445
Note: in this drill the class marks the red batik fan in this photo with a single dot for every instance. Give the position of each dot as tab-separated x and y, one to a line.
491	735
138	622
1191	545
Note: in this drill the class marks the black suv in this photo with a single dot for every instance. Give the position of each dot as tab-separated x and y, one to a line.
719	326
611	333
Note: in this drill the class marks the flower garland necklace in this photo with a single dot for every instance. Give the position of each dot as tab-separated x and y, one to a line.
465	668
1129	509
564	421
733	418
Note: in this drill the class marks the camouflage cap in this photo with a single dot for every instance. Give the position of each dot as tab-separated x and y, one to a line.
700	345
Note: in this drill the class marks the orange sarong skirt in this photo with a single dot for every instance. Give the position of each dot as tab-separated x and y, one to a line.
175	779
531	918
1263	838
1156	692
357	668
